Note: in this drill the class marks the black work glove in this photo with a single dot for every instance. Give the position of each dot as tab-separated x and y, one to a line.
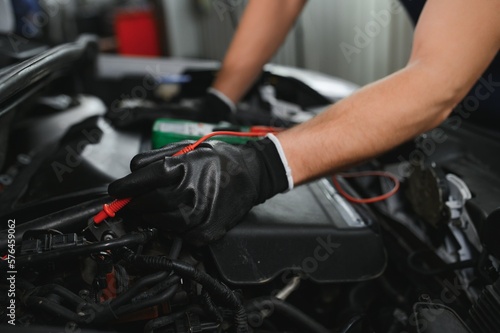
216	107
203	193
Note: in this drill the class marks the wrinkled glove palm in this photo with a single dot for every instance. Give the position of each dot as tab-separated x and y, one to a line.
202	194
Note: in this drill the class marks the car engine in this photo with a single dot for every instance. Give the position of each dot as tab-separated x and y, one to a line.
315	259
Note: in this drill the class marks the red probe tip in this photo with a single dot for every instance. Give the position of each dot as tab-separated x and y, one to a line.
111	209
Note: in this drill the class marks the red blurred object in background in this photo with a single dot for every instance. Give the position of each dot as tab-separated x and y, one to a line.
136	33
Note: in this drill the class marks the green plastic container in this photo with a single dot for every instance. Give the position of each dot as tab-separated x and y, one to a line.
166	131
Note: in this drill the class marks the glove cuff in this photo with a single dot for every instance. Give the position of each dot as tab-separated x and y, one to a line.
223	98
284	161
276	176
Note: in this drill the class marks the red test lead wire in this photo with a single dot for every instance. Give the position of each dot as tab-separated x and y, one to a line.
367	174
110	210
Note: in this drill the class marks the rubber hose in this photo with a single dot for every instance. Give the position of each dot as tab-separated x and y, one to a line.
222	293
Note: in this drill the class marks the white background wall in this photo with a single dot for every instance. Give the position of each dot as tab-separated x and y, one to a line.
358	40
6	16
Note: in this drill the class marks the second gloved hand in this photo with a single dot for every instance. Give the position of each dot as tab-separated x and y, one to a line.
216	107
203	193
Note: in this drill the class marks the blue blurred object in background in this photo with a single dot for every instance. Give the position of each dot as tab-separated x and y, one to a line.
30	18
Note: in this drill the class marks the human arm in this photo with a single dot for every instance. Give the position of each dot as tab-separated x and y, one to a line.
262	30
451	49
455	40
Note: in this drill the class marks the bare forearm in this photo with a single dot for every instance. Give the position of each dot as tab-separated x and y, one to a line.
262	30
366	124
454	42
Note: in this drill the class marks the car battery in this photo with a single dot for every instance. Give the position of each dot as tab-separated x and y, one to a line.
166	131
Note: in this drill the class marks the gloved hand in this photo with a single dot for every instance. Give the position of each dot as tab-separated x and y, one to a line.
203	193
216	107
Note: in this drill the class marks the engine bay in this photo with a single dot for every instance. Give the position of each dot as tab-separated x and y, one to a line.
424	259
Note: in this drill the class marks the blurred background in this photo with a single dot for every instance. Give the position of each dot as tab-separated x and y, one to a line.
352	40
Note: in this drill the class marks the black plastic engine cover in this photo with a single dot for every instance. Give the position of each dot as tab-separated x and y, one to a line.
436	318
311	231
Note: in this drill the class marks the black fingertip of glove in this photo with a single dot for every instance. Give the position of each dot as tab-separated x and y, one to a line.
148	157
115	188
274	178
144	159
138	161
144	180
122	188
214	109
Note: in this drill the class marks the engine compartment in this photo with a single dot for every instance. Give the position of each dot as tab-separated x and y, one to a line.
423	260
